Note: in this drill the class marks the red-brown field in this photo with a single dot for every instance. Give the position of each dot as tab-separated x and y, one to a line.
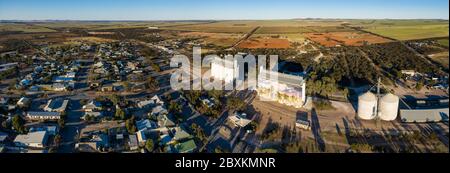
333	39
268	43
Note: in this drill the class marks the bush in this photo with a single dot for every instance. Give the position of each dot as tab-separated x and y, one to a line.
149	145
323	105
18	124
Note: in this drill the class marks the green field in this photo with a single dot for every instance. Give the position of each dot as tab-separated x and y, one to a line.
406	29
267	26
443	42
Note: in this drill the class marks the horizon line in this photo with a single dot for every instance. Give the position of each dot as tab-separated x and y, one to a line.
176	20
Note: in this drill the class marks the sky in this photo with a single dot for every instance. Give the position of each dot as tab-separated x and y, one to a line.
220	9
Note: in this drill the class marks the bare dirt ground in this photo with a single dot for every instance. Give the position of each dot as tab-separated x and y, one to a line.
408	89
327	121
101	126
346	38
273	112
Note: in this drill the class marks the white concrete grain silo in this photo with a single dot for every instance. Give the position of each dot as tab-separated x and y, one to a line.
388	109
367	106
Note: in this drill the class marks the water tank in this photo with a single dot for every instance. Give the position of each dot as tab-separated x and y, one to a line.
367	104
389	107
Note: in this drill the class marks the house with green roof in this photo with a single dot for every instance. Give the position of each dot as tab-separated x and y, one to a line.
185	147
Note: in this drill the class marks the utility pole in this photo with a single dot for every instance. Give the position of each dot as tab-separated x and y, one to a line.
377	110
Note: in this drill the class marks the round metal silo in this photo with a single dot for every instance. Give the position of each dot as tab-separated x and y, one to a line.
389	107
367	104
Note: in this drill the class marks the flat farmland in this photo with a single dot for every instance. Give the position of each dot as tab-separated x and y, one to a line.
443	42
407	29
210	28
25	28
267	26
218	39
300	38
79	40
268	43
441	58
345	38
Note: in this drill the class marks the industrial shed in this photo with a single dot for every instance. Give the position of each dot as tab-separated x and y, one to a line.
424	115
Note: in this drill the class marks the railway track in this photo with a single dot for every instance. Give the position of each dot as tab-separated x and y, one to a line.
246	37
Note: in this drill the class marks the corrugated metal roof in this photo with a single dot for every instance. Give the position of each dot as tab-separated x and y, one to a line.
282	78
33	137
49	114
424	115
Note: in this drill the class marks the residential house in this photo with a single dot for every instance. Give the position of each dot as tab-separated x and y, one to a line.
133	142
59	87
51	130
180	134
4	100
410	73
145	104
159	110
57	105
109	88
165	139
239	119
92	106
24	102
185	147
33	139
208	102
38	116
165	121
142	137
3	137
97	143
145	125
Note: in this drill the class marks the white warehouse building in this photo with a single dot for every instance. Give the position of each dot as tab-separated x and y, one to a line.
223	70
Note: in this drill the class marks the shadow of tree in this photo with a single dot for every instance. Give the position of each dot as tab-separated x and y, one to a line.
316	130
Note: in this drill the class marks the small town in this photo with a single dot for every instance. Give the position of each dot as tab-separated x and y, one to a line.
343	86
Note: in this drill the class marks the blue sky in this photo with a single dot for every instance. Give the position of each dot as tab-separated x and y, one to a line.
220	9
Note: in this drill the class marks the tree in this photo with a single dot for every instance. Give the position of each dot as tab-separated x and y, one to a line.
131	127
6	125
199	133
127	86
115	99
235	103
174	107
152	84
61	123
89	118
216	94
419	86
18	124
120	114
83	102
149	145
57	140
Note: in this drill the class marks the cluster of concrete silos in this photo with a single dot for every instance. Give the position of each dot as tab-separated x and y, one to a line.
385	107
